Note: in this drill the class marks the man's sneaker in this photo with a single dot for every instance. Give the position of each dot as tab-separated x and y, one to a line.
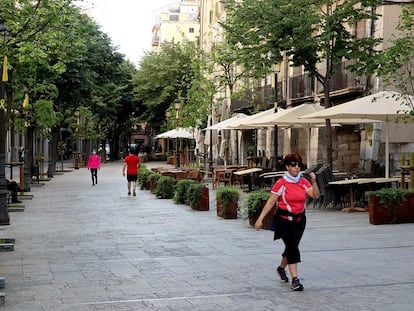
282	274
129	193
296	285
134	194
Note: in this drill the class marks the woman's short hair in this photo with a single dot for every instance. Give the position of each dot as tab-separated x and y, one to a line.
292	157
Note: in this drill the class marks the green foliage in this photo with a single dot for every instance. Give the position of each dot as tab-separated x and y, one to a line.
261	31
227	195
193	193
165	188
181	190
154	176
317	35
143	175
162	78
253	204
390	198
60	58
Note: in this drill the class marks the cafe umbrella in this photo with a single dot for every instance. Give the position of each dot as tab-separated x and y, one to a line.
385	106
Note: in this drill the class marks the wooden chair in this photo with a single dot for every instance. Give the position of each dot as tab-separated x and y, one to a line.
216	171
195	175
180	175
225	177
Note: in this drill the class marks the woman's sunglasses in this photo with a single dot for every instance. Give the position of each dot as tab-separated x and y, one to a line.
293	164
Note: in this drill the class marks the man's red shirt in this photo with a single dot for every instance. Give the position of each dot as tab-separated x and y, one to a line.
132	162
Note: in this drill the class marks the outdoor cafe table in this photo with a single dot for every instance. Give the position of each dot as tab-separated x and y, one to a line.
273	176
351	183
250	172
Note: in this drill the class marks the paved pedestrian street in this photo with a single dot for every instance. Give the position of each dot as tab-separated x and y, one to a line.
81	248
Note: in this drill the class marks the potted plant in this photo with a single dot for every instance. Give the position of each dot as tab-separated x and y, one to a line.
254	205
227	199
391	205
198	196
165	188
152	181
181	189
143	174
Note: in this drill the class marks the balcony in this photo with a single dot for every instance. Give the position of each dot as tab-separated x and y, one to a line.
260	99
302	89
343	83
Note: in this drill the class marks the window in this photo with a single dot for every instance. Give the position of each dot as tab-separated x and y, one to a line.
191	30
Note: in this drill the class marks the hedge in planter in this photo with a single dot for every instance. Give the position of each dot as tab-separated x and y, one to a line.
227	199
391	205
254	205
181	189
152	181
198	196
165	187
143	178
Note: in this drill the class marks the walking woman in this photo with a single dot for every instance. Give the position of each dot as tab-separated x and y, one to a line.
94	164
289	194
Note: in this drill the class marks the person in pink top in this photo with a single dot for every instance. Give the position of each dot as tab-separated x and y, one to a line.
94	164
289	193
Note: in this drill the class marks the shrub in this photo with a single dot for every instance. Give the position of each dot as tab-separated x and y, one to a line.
227	195
143	177
390	198
181	189
254	203
165	188
193	193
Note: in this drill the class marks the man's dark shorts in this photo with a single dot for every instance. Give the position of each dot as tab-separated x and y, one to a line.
132	177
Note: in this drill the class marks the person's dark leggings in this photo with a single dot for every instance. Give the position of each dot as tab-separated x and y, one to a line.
292	232
14	188
94	173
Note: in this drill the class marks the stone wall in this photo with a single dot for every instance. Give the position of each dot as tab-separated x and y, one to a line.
346	149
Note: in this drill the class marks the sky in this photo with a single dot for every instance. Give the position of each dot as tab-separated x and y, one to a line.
128	23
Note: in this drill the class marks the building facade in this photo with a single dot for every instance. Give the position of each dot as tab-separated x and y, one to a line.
353	145
180	22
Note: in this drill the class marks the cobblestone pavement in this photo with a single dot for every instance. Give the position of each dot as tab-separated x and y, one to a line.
88	248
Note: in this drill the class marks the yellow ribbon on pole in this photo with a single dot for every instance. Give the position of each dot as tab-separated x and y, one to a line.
5	75
26	101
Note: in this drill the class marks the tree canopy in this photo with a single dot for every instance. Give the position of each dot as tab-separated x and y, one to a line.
316	35
61	61
172	74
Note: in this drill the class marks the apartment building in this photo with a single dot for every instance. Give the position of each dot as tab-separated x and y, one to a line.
179	22
291	86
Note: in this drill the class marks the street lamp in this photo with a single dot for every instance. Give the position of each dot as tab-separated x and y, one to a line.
4	214
177	106
77	151
276	70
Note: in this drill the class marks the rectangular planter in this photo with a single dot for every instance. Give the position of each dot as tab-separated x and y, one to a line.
267	221
204	201
381	215
227	212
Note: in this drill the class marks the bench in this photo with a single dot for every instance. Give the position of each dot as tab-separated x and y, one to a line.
7	244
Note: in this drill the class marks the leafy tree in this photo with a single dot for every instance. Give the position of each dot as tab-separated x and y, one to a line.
42	36
311	33
163	78
200	94
58	54
396	63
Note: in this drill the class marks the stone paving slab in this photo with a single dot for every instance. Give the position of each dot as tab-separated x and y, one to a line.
83	248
